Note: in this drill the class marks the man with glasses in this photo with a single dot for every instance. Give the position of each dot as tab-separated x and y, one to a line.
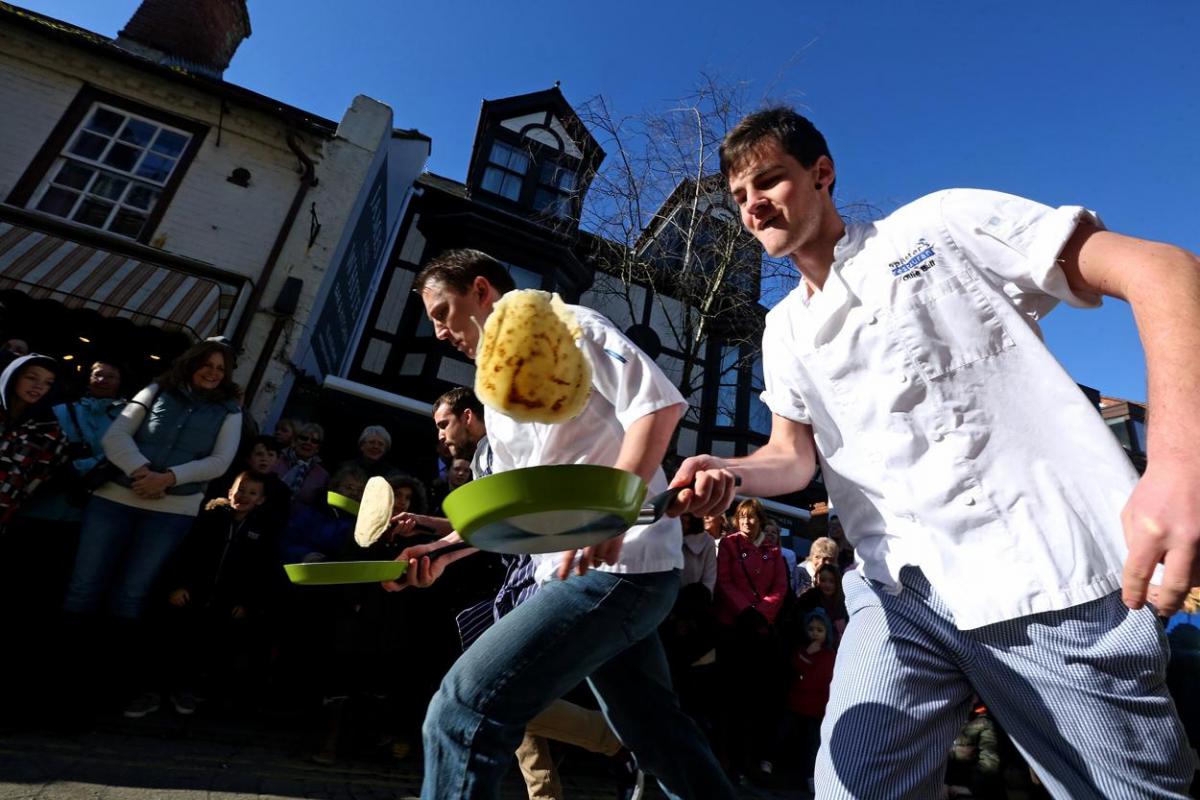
300	467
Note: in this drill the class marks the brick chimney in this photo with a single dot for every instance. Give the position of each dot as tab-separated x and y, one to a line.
198	35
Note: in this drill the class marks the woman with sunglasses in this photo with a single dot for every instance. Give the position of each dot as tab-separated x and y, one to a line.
300	467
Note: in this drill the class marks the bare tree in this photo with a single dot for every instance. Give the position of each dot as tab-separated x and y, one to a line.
664	231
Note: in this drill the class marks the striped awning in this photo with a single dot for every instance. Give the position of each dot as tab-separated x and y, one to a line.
77	275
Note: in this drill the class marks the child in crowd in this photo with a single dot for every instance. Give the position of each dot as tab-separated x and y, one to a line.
322	532
261	455
285	430
812	672
216	587
826	594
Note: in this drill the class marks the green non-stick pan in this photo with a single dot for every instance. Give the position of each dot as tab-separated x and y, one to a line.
552	508
325	573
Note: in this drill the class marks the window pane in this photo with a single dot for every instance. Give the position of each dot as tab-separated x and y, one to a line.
122	157
551	202
557	176
138	132
57	201
109	186
170	143
155	167
502	183
93	212
127	223
492	178
141	197
89	145
509	157
105	121
74	175
511	187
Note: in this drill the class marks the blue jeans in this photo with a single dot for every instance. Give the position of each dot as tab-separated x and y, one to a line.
600	626
122	550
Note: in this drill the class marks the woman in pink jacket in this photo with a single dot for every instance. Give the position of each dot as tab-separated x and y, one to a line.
751	573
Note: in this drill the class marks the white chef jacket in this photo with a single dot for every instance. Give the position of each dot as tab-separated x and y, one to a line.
948	435
626	386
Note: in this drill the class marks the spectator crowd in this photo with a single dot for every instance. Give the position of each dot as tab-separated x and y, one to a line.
145	530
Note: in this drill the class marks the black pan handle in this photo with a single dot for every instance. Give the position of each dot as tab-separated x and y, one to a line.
656	506
448	549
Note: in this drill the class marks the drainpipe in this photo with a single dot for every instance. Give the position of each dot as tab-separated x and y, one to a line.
308	179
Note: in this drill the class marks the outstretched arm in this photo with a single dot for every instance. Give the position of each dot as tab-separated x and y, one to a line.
786	463
1162	285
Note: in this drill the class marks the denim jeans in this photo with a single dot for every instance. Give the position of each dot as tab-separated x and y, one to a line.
600	626
122	550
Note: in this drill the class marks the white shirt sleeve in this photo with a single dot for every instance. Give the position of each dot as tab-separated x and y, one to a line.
623	374
1019	242
119	446
215	463
783	374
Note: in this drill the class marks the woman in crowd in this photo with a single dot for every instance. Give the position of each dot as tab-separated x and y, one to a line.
174	436
751	588
300	466
714	526
751	572
823	552
373	444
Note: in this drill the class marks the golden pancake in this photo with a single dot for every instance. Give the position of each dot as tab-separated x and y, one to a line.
529	365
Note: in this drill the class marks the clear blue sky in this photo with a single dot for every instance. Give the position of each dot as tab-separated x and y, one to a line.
1095	103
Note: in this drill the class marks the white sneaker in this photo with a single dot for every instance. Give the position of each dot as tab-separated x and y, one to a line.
145	703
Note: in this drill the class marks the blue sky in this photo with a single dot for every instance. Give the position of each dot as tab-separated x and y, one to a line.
1094	103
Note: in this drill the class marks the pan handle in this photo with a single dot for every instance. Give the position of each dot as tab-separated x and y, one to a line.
656	506
448	549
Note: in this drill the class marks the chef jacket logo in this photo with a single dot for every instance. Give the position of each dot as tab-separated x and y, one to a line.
918	260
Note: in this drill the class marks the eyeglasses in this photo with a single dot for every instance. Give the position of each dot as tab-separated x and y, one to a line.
304	437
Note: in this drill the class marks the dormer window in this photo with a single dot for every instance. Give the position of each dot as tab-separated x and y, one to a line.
532	171
533	158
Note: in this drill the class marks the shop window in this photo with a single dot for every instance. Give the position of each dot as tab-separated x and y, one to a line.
113	172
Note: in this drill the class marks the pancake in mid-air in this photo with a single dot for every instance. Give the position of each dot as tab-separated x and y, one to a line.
529	365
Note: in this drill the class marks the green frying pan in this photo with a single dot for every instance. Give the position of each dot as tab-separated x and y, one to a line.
326	573
552	508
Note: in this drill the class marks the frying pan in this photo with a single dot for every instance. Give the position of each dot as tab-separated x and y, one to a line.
552	508
325	573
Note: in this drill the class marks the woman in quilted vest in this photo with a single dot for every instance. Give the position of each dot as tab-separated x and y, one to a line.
176	435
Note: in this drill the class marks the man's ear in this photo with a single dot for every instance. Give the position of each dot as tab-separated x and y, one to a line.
823	171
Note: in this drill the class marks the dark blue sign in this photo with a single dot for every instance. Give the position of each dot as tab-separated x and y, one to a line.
348	296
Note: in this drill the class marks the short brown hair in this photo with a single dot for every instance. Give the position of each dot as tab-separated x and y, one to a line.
754	507
459	399
458	269
798	137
